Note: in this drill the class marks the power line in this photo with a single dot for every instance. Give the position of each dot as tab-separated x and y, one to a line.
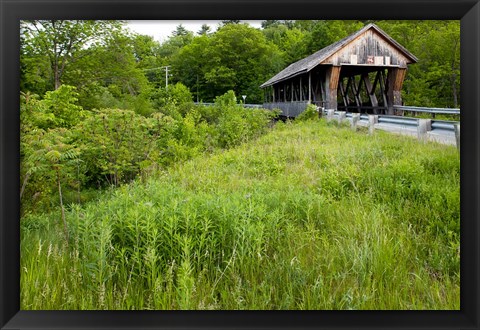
166	73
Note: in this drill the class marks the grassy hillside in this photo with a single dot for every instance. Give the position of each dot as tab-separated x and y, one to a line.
309	216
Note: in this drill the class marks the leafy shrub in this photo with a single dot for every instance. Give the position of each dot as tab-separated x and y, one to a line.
310	113
114	142
177	94
237	124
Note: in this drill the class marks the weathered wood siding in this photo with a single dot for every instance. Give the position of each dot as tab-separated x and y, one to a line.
369	48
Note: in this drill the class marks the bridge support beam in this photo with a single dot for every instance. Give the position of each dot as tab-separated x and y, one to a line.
395	79
331	82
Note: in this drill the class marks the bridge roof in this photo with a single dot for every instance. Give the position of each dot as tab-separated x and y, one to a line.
308	63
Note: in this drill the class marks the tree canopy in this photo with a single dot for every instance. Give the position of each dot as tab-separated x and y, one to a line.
111	66
236	57
62	42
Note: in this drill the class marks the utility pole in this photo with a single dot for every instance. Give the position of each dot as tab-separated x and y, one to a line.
166	77
166	73
197	88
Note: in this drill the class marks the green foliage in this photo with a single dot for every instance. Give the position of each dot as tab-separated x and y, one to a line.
59	108
61	41
235	57
236	124
47	152
115	146
204	30
110	75
316	222
180	38
435	80
226	100
113	68
177	95
49	158
310	113
115	141
228	229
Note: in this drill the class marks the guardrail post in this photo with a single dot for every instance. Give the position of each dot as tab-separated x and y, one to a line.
456	128
355	119
320	112
372	120
341	116
424	125
330	113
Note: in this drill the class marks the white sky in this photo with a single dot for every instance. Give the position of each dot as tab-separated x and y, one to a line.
160	30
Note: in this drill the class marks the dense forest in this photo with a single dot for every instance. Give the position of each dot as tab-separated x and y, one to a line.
103	126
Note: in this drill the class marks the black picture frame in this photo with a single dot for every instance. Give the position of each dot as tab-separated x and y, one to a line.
12	11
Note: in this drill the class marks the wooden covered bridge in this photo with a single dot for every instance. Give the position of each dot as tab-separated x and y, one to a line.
363	73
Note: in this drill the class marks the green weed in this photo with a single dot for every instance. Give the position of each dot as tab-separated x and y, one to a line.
308	216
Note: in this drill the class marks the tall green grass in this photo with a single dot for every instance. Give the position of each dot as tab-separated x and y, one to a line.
309	216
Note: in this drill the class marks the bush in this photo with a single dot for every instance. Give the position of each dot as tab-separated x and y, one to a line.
310	113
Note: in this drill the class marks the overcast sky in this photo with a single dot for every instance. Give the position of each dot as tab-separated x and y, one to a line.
161	30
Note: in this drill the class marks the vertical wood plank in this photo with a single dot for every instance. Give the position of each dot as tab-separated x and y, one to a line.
301	89
291	87
310	87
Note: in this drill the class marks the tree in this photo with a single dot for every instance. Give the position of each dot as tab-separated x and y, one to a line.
204	30
59	153
115	143
180	31
237	57
290	41
61	41
440	64
179	39
59	108
45	141
112	74
269	23
241	59
145	49
189	65
230	21
50	157
435	80
324	33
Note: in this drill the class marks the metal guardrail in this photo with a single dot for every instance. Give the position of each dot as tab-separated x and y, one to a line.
444	125
443	131
363	117
445	111
247	105
402	121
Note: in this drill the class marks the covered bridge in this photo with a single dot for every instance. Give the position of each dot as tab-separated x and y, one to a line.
363	72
